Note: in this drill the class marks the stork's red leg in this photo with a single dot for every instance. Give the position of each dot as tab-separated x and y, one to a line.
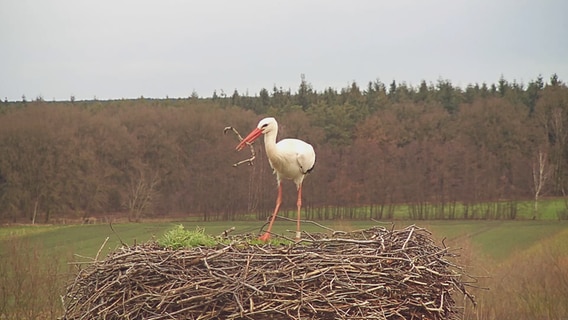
299	204
266	236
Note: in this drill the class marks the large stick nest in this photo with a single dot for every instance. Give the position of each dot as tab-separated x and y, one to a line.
369	274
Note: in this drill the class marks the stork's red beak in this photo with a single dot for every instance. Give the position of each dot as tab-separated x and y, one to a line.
250	138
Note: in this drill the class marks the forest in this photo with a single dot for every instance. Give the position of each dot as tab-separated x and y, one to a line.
433	147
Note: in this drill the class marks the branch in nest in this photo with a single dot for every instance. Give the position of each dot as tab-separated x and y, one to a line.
225	233
252	153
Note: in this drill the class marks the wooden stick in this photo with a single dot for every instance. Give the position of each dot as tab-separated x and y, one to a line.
252	152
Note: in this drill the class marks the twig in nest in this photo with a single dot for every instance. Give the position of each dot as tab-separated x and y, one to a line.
225	233
308	221
111	228
101	249
252	153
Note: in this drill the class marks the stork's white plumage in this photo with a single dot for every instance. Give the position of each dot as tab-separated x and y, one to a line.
291	159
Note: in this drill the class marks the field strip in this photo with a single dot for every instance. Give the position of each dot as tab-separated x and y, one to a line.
26	230
476	233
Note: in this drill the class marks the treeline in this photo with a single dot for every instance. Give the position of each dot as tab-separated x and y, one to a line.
432	146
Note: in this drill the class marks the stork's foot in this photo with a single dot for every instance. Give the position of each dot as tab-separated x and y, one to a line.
265	237
298	236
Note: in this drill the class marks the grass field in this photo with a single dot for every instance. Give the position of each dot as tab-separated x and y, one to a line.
491	249
496	239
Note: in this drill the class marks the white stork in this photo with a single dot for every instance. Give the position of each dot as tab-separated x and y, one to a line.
291	159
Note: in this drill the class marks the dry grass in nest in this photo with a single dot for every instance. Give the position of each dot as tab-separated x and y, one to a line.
367	274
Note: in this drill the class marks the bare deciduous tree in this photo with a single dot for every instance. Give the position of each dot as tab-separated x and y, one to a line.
142	193
541	173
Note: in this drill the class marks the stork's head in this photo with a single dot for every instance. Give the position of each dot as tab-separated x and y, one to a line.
264	126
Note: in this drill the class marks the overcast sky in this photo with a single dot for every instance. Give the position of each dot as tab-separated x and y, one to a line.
126	49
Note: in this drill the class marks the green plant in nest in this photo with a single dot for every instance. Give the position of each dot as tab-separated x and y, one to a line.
179	237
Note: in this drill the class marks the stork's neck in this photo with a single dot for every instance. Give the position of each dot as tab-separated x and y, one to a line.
270	143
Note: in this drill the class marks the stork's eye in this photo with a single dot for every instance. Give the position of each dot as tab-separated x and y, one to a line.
264	125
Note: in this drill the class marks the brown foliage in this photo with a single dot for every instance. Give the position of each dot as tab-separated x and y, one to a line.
147	158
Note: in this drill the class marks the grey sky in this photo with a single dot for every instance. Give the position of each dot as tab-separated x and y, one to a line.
132	48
